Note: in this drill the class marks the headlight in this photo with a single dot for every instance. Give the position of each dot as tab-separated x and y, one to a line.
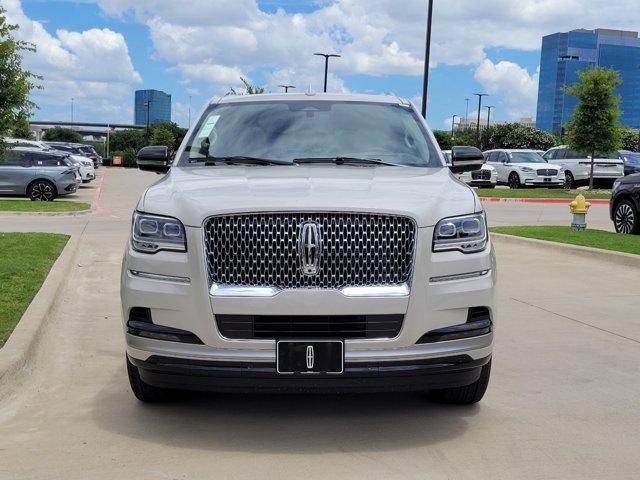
467	234
152	233
527	169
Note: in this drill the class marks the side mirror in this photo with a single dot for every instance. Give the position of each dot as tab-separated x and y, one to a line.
154	158
466	159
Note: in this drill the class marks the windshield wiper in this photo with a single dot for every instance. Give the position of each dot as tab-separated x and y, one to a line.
345	160
238	160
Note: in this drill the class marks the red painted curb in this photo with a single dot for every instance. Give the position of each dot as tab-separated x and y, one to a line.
565	201
96	196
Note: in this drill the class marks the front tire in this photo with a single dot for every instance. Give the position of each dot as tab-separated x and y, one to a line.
144	392
569	181
625	218
465	395
514	181
42	190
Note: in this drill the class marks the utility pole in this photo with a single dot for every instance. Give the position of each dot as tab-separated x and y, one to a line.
479	95
427	54
287	87
489	115
326	65
453	124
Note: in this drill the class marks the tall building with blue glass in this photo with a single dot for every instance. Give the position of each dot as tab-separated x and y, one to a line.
155	103
565	54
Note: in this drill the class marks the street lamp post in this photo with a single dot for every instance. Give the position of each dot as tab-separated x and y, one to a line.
479	95
453	124
466	114
427	53
148	105
489	107
287	87
326	65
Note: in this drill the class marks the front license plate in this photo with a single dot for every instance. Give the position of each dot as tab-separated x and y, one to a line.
547	179
313	356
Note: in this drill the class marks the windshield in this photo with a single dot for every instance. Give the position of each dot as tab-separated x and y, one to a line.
526	157
632	158
285	131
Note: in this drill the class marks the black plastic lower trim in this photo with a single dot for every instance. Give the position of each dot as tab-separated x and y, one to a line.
159	332
172	373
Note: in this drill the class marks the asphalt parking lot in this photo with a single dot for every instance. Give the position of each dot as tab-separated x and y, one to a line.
562	402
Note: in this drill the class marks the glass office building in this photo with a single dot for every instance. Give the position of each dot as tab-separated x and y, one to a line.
158	108
565	54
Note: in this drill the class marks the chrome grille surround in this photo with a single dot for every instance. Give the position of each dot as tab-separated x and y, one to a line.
261	250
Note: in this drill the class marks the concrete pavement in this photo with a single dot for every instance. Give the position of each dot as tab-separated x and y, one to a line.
562	402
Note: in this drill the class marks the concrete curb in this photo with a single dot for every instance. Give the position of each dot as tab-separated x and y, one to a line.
22	343
565	201
619	258
48	214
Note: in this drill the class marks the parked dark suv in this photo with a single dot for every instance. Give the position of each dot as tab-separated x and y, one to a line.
625	204
78	149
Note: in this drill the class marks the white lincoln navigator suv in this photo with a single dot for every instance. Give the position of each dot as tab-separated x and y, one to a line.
309	243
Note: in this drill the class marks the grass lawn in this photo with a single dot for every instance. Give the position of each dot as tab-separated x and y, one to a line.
29	206
537	193
589	238
24	264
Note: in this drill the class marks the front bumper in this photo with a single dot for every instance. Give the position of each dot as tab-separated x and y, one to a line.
446	372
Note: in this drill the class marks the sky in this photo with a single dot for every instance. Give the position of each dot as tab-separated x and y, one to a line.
99	52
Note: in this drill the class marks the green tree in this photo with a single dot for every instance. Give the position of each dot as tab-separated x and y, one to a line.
15	82
162	135
594	125
630	139
443	138
21	128
61	134
516	135
250	89
177	131
130	138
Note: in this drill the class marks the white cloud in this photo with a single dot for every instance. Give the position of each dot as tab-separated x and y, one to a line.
93	64
512	84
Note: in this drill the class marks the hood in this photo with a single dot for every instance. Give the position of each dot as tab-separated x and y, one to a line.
193	194
538	166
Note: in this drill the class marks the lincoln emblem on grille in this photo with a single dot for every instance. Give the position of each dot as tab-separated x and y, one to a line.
309	248
310	357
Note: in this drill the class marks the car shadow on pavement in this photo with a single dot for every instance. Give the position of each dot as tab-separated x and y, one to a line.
282	423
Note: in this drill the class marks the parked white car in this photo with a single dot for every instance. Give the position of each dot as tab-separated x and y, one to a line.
577	166
485	177
309	242
524	168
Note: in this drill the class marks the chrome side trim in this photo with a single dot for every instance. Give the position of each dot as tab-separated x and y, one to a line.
220	290
162	278
460	276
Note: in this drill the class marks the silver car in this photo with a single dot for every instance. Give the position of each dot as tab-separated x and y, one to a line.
38	175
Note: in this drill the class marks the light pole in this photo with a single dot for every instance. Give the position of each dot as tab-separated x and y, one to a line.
453	124
326	65
479	95
489	107
148	105
466	115
287	87
427	54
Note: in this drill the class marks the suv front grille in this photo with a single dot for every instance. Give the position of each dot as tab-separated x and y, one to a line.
262	250
481	175
315	326
547	172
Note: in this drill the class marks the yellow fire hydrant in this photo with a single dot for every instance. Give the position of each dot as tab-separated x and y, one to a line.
579	207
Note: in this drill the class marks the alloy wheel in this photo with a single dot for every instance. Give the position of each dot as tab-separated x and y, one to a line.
625	218
42	191
568	181
514	181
